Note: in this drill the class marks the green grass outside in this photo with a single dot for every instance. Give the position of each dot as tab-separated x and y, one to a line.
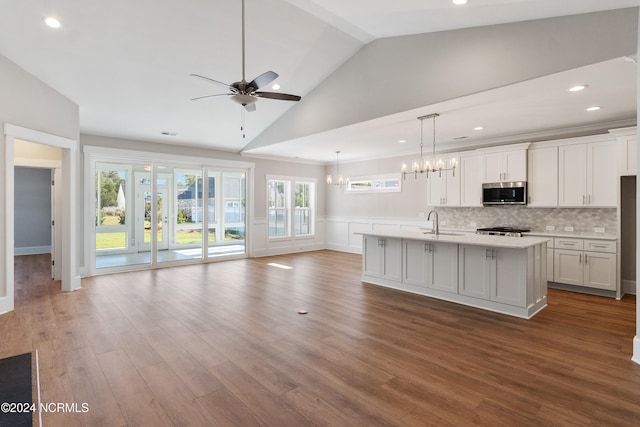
116	239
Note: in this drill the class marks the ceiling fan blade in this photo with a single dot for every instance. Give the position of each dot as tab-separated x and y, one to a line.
225	85
263	79
280	96
211	96
250	107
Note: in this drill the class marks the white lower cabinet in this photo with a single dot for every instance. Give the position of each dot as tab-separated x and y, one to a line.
594	268
474	276
494	274
507	280
431	265
382	257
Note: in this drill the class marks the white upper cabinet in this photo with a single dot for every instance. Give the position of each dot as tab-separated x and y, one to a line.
627	150
587	175
572	175
444	190
543	177
471	180
505	166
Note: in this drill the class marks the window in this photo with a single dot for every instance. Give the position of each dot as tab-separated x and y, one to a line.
290	207
303	208
278	196
112	228
378	184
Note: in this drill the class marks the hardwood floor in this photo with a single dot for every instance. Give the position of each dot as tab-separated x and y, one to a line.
223	345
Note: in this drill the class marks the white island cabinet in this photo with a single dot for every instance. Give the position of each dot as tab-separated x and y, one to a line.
503	274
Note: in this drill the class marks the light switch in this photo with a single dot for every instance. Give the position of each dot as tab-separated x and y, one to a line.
550	227
568	228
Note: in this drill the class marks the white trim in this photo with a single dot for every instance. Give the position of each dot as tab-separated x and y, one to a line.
70	279
636	350
32	250
31	135
7	301
37	163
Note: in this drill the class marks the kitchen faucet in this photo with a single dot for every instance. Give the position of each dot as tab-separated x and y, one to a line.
436	229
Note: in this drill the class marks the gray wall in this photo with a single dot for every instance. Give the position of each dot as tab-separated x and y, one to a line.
32	207
402	73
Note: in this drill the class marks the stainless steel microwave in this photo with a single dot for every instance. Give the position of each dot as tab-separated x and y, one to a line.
504	193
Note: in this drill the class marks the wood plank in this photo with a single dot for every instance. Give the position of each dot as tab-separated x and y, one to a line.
222	344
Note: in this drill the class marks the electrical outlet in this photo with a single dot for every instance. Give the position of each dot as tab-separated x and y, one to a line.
422	215
550	227
568	228
472	224
598	229
443	222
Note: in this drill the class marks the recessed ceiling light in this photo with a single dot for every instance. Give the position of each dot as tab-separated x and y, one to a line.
402	141
594	108
578	88
460	2
52	22
275	86
478	128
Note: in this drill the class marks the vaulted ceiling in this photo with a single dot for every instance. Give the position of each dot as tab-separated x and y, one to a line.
127	65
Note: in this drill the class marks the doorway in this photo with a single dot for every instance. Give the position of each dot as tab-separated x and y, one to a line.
70	279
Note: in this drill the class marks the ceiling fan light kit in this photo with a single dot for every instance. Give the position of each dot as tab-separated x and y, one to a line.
426	166
246	93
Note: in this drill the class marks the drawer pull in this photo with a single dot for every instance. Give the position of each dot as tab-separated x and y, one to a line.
600	246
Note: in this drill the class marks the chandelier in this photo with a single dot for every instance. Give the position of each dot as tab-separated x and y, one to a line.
340	180
428	165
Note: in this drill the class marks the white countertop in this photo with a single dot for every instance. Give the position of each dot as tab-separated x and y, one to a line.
461	238
577	235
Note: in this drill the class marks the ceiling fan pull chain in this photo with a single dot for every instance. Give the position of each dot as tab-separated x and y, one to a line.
242	122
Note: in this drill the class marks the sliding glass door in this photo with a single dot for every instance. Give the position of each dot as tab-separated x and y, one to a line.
191	214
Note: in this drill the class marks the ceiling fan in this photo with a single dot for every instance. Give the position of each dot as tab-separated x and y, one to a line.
246	93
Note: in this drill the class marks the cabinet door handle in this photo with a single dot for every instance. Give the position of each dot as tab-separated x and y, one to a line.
584	199
580	258
585	258
487	253
426	247
589	202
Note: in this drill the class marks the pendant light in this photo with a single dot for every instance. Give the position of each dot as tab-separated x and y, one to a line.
432	165
340	180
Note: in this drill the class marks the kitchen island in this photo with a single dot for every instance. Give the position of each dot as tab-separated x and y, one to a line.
497	273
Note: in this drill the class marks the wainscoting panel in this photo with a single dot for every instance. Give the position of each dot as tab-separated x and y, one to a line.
341	231
263	246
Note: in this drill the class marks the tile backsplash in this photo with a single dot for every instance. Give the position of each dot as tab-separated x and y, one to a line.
535	219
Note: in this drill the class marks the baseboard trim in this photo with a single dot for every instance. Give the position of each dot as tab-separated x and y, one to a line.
32	250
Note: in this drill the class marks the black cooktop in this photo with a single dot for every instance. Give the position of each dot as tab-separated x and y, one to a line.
504	229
